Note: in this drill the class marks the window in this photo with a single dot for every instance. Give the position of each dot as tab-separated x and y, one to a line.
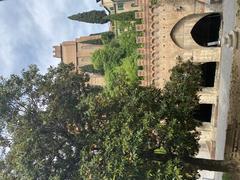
120	6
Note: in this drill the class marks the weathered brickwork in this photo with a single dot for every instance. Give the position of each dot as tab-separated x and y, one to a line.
119	6
171	32
79	53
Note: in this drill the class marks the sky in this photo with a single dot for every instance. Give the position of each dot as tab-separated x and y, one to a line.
29	29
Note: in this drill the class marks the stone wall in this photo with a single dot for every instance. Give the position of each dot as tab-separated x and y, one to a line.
166	39
79	53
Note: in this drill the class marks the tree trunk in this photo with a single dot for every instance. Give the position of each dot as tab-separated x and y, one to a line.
199	163
213	165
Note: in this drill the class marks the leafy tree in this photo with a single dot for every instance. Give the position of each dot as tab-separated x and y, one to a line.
57	127
89	69
126	72
93	16
107	37
108	57
150	134
127	41
118	59
46	122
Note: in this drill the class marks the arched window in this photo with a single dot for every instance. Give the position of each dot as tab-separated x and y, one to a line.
203	113
197	30
206	31
208	74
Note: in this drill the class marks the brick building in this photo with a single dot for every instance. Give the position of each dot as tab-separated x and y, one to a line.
118	6
79	53
183	30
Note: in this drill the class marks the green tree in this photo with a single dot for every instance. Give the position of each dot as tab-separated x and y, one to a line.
151	134
118	59
93	16
107	37
100	17
57	127
44	120
89	69
108	57
126	72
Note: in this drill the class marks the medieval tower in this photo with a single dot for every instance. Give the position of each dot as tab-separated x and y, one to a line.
79	53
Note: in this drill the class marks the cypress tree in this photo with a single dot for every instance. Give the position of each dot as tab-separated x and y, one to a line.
93	16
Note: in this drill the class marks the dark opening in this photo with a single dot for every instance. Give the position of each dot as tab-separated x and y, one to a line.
140	67
208	74
203	113
206	30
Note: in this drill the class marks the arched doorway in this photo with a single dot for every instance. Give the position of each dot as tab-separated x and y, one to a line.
206	31
203	113
196	30
208	74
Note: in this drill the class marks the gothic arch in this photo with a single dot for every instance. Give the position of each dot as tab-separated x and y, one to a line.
206	31
196	30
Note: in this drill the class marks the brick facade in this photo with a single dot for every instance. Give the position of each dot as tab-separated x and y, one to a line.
79	53
166	39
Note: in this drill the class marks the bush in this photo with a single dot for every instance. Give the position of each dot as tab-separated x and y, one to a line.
107	37
118	60
125	16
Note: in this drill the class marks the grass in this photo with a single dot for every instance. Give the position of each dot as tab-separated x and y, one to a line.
226	177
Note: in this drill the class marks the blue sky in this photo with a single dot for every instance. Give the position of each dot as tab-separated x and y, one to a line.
29	29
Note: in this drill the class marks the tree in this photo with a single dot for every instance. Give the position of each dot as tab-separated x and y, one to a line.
57	127
118	59
108	57
124	16
152	134
107	37
44	120
89	69
93	16
100	17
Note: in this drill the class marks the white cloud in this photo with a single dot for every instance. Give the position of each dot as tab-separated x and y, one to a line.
30	28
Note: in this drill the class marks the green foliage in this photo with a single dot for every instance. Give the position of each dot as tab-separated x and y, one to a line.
127	72
89	69
107	37
41	115
227	176
60	128
127	40
118	60
154	2
130	116
125	16
108	57
179	105
144	119
93	16
93	41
